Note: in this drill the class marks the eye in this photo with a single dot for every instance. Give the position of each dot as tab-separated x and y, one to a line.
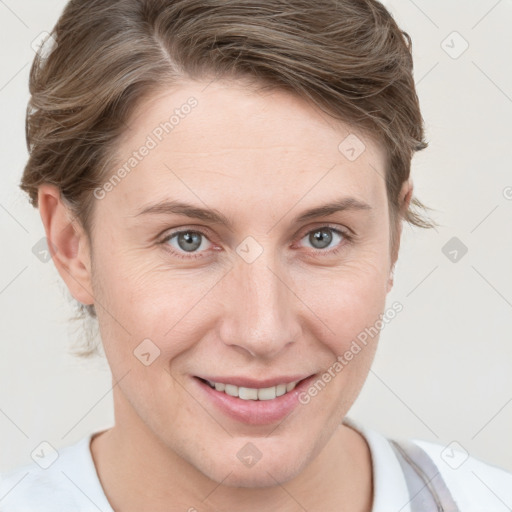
186	243
326	239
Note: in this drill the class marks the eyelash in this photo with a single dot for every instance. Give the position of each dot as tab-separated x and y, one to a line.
348	238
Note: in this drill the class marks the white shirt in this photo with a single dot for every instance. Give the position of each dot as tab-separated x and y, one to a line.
71	483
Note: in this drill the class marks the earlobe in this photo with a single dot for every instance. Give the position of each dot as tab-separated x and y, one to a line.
67	242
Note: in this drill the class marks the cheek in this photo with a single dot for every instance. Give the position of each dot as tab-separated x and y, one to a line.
143	298
349	306
346	300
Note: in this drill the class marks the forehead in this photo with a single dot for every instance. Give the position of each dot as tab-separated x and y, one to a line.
210	140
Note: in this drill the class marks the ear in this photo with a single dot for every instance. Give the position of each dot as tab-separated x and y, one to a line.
404	200
67	242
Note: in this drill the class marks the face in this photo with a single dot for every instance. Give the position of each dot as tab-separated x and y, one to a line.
252	283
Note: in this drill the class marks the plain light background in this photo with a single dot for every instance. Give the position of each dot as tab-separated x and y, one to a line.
442	370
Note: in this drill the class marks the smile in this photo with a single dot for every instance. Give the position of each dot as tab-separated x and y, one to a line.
253	402
253	393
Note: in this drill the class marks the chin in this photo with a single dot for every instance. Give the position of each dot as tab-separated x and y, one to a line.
261	475
276	466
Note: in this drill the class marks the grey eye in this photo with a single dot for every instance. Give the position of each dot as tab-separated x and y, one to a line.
322	238
188	241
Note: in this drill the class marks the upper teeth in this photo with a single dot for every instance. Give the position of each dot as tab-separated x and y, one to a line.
252	393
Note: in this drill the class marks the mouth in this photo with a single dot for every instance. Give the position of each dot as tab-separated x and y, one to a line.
253	405
253	393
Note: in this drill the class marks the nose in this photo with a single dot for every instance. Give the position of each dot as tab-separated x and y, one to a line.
260	315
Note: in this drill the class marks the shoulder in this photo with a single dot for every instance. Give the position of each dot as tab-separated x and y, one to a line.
475	485
58	482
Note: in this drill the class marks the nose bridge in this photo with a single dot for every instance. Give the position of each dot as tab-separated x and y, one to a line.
260	314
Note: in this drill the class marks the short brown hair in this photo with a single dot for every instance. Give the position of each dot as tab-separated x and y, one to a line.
348	57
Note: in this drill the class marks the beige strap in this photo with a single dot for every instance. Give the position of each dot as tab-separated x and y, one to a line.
427	488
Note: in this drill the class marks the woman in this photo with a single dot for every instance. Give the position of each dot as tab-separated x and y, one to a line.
223	186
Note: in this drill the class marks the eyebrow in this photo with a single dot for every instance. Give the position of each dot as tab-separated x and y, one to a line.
214	216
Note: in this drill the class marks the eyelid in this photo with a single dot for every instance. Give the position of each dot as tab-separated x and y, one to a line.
346	232
168	233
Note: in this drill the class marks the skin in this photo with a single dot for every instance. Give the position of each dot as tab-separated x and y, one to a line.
260	159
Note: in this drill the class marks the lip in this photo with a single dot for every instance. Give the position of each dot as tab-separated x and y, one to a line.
254	412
